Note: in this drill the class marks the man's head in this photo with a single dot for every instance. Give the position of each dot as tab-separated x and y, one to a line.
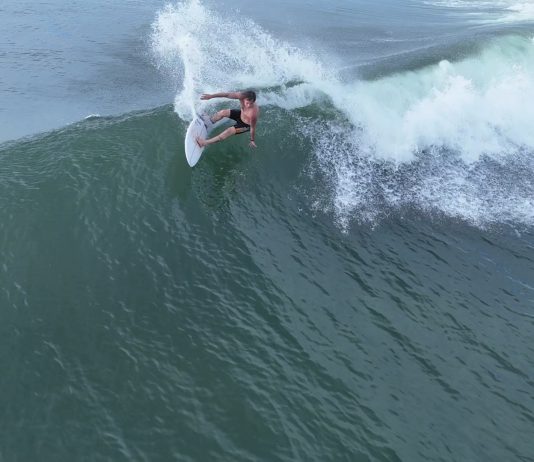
249	96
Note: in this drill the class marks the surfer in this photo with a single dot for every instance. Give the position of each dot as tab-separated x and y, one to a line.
245	118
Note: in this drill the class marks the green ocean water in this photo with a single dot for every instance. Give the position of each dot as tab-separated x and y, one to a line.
357	288
157	312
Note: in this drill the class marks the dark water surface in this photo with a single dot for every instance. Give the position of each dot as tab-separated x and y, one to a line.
359	288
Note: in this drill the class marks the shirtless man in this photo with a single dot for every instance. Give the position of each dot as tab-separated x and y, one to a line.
245	118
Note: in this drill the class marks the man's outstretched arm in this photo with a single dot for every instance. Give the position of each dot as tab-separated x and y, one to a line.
231	95
252	143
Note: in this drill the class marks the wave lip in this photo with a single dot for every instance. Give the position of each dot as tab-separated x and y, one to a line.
477	106
451	139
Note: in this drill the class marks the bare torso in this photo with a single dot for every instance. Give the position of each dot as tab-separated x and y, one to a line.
249	114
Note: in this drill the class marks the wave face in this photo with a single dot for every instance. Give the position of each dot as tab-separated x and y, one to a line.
220	302
448	137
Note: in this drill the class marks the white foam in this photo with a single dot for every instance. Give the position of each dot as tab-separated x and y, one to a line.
476	111
479	106
444	132
490	10
520	12
212	53
175	41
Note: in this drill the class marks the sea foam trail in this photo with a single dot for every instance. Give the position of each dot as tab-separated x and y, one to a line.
443	125
210	52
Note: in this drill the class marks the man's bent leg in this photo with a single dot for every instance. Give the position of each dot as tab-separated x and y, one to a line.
222	136
219	115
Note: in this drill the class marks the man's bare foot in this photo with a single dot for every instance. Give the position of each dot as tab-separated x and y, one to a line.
201	142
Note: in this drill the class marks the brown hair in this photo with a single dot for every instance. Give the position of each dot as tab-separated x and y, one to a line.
249	94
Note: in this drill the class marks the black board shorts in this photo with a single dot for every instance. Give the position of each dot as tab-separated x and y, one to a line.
240	126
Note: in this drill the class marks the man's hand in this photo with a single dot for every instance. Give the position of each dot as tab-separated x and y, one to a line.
252	144
206	96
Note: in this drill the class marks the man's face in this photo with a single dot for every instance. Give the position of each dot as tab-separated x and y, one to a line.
248	103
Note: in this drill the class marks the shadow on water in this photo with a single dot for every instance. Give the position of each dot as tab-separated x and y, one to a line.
213	180
179	177
216	178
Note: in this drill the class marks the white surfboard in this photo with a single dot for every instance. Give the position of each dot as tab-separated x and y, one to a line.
192	150
199	126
